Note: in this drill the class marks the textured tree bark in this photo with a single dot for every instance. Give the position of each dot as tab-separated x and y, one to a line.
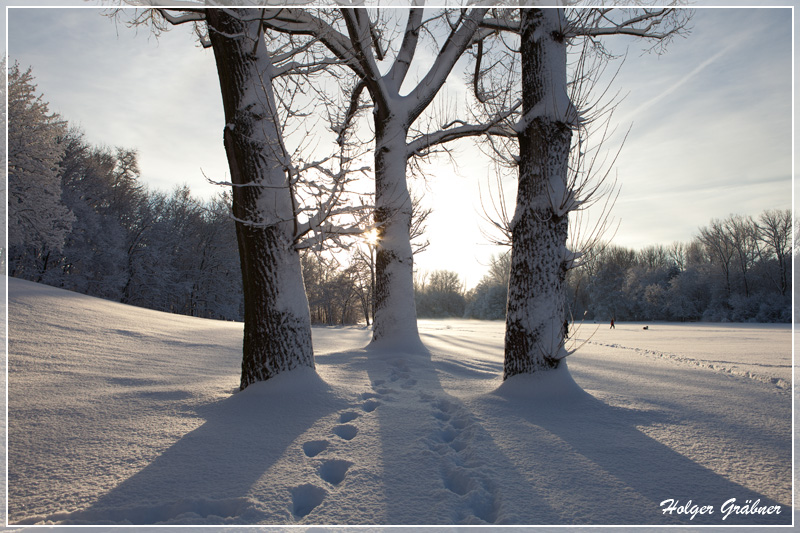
394	314
536	327
277	324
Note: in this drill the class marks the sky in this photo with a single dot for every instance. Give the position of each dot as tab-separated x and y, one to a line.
710	122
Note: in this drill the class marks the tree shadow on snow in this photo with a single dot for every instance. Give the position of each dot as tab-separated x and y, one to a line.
512	457
598	467
207	475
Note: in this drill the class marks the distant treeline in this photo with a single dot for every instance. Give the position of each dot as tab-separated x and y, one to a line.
737	270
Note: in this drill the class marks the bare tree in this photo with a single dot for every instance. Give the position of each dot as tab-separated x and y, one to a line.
678	252
276	214
655	256
441	294
550	187
354	39
362	47
720	248
774	229
742	232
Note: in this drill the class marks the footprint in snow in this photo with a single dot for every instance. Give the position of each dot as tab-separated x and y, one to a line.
346	431
457	480
480	501
408	384
313	448
305	498
448	435
334	470
426	397
441	415
399	371
370	401
348	416
370	405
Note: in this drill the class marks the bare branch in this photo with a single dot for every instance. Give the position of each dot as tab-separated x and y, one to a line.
497	216
656	25
456	44
304	22
358	27
399	70
493	126
305	69
187	16
351	112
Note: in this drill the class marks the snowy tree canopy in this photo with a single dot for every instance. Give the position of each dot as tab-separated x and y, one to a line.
36	215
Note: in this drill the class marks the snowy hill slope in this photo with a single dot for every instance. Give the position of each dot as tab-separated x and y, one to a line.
119	415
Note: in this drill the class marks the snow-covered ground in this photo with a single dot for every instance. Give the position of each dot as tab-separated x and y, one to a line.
122	415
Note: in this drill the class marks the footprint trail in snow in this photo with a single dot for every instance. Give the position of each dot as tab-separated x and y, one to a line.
332	471
456	464
461	471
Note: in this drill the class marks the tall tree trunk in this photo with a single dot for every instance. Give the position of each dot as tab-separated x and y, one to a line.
277	322
782	260
535	322
394	314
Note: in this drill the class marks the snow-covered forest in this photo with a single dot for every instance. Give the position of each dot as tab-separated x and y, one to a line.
111	236
735	270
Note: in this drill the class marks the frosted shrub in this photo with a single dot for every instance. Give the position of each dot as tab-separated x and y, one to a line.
744	308
775	310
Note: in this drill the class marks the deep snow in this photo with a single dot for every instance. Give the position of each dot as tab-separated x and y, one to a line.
123	415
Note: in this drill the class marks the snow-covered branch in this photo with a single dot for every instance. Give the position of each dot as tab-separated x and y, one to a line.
399	70
183	18
501	24
359	30
295	21
458	130
457	42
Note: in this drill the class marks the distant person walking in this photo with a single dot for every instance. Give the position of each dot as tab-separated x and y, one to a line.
612	324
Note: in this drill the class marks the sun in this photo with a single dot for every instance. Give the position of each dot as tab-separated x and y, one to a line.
371	237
